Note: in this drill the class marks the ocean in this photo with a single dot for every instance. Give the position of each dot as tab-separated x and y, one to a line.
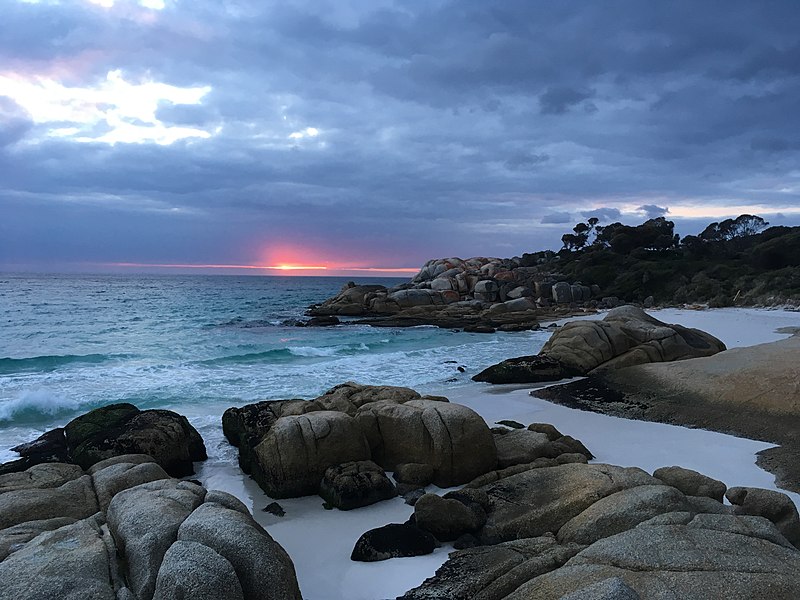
199	344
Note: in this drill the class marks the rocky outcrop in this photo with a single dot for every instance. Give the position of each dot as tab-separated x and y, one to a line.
125	530
478	292
288	454
751	392
626	336
598	531
114	430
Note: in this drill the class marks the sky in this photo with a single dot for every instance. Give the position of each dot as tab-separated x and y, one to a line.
360	136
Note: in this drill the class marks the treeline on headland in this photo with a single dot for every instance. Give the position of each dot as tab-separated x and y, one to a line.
738	261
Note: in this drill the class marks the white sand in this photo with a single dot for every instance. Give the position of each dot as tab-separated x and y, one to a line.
320	541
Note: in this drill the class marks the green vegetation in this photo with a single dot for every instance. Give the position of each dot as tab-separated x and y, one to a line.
733	262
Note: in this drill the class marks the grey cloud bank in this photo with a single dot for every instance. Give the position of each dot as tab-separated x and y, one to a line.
383	134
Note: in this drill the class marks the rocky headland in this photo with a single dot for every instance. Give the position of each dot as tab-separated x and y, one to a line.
478	294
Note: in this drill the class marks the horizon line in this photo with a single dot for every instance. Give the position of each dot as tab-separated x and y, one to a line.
256	267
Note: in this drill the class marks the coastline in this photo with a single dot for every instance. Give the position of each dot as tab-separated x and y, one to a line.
320	541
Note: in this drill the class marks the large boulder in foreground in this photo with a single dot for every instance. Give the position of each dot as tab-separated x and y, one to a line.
149	536
626	336
452	438
295	453
115	430
587	532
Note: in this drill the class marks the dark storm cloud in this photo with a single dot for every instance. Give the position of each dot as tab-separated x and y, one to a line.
437	124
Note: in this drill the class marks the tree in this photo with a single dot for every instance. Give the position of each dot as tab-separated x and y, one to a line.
731	229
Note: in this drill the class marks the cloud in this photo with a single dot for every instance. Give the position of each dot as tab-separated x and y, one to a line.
604	213
556	217
558	100
379	129
651	211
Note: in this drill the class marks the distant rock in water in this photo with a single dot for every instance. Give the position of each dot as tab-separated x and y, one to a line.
113	430
478	294
626	336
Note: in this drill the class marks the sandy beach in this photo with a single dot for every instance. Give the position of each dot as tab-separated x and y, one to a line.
320	541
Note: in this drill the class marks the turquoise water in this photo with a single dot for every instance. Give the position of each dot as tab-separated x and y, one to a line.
198	344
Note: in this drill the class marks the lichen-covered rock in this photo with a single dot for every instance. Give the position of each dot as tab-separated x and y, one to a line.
75	499
294	454
349	397
626	336
522	446
677	561
621	511
192	570
14	537
144	521
418	474
124	429
111	480
41	476
355	484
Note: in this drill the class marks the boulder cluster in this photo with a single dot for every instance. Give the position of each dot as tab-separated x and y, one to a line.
339	444
125	530
576	530
451	292
626	336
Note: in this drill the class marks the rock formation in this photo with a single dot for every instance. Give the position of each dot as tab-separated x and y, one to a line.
114	430
126	530
749	391
490	293
626	336
288	446
582	531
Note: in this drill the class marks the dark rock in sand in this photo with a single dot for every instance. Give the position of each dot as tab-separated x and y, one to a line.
355	484
447	518
418	474
511	424
275	509
526	369
393	541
